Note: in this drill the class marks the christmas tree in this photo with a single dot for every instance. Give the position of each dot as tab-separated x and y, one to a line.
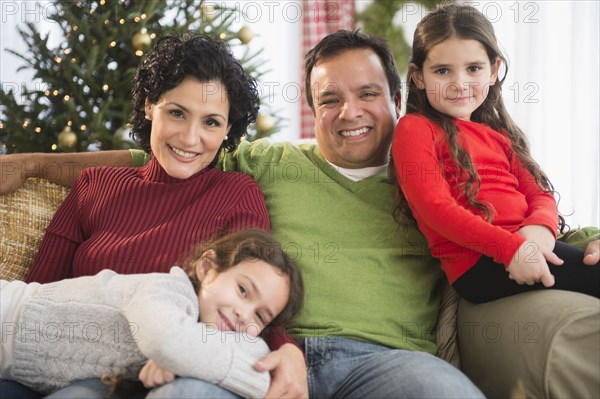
380	18
81	96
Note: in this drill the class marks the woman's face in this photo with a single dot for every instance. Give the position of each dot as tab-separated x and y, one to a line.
189	124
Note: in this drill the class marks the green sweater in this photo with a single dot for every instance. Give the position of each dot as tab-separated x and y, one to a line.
365	277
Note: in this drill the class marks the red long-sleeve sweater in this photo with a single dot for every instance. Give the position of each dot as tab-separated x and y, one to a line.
457	235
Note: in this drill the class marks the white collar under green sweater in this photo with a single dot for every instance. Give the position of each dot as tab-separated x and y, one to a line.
87	326
365	277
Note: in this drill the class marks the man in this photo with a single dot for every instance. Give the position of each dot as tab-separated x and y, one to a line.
371	297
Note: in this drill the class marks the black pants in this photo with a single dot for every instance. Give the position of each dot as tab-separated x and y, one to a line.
487	280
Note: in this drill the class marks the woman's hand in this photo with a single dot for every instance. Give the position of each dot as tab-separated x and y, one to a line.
288	372
152	375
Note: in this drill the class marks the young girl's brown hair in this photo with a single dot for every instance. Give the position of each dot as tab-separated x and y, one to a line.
467	23
231	249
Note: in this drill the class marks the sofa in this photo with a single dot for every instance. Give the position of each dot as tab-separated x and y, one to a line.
543	344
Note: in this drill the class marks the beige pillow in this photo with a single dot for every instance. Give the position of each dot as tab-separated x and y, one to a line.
24	216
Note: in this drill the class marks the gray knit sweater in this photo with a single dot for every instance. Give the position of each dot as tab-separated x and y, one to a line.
87	326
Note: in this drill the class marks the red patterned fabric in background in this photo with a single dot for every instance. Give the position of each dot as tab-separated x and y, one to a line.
320	18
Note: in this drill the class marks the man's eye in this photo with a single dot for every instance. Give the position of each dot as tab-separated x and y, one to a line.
369	94
329	101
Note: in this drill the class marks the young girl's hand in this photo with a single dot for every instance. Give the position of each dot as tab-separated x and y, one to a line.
152	375
528	266
543	237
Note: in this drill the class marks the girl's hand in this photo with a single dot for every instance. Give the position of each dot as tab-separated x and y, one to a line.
544	238
528	266
152	375
288	372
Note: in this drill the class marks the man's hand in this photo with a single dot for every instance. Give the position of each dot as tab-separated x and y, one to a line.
592	253
152	375
288	372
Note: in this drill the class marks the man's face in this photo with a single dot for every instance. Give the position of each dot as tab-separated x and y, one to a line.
355	114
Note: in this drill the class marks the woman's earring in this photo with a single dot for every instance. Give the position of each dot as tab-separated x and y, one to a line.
226	138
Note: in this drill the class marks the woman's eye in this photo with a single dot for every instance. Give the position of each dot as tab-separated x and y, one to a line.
212	123
176	113
243	290
260	318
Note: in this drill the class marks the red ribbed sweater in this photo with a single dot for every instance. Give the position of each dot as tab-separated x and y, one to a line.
141	220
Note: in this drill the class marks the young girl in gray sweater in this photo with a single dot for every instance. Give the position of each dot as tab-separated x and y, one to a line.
204	324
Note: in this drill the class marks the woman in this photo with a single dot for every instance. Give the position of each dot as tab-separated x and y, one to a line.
191	99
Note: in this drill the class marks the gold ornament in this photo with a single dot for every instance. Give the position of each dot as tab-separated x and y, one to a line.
264	123
245	35
141	40
67	138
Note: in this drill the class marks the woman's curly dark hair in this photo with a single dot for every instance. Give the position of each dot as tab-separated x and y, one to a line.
177	56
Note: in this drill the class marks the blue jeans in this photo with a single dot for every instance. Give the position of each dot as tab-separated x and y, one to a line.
92	388
14	390
346	368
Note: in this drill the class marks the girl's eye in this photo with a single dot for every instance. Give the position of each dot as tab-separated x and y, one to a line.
442	71
260	318
243	291
474	69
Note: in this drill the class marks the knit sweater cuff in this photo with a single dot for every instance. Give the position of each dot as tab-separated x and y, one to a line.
243	380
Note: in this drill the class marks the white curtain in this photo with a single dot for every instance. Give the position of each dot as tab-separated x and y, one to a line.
552	91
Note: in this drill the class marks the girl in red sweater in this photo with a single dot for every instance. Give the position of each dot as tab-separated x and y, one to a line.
466	173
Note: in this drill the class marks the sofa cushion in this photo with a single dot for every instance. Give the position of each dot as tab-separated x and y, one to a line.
537	345
24	216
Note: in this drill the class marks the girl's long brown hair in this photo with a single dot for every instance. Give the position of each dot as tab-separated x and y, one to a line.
465	22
